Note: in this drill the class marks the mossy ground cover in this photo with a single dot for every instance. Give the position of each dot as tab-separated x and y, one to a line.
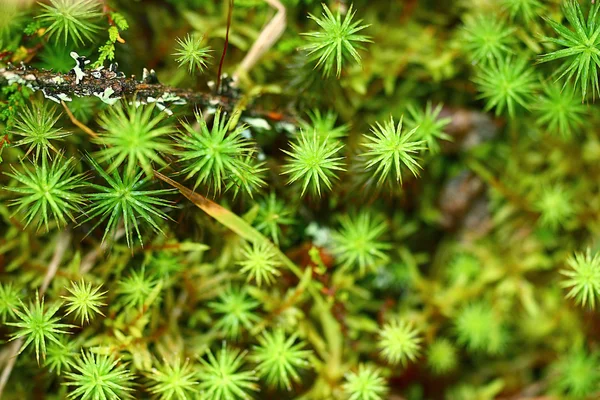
283	199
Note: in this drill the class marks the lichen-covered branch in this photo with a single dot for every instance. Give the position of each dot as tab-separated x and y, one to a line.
109	85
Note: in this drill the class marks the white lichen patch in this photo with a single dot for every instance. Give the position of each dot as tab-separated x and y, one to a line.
246	134
163	108
321	236
57	79
12	77
158	103
78	69
50	97
105	96
289	127
165	100
97	73
64	97
172	98
258	123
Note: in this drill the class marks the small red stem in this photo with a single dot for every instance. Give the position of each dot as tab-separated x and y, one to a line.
229	13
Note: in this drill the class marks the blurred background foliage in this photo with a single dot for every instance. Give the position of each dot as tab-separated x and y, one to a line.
475	277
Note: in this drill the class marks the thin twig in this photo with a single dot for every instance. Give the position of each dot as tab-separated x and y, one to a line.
78	123
12	358
62	243
111	87
229	14
267	38
108	86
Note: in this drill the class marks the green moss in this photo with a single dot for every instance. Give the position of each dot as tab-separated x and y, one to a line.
392	194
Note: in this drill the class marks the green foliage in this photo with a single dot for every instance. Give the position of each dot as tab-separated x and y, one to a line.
135	289
216	154
480	329
192	54
337	42
365	384
13	21
559	111
14	98
260	263
61	355
56	57
32	27
84	300
313	162
577	373
38	325
508	84
71	20
221	378
237	312
173	381
279	357
399	342
390	149
323	124
555	205
97	376
132	136
36	124
124	201
272	215
84	108
358	244
163	266
113	33
48	190
120	21
583	278
526	10
580	47
487	39
319	245
107	50
463	269
441	356
10	299
429	126
251	180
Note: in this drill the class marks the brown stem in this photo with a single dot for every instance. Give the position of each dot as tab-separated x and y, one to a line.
109	86
78	123
229	14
